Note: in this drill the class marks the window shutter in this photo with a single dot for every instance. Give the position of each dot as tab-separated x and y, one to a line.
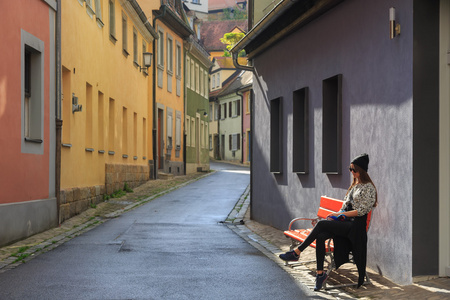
230	141
238	142
225	111
238	107
230	108
220	111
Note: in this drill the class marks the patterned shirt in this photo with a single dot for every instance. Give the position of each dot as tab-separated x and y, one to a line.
361	197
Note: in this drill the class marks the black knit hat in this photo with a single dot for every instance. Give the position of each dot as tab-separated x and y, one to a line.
362	161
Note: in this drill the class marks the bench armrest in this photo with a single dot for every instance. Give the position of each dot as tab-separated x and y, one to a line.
313	221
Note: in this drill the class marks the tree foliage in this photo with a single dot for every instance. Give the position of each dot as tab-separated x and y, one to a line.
230	39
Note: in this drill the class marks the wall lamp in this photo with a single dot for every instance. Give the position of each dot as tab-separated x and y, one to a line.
75	105
394	28
147	56
205	114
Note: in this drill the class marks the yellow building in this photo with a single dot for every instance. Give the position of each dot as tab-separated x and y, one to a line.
106	107
170	22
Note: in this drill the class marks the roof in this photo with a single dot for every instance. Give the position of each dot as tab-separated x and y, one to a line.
221	4
213	31
237	81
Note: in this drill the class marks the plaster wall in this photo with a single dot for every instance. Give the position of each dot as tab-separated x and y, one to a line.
376	119
27	177
98	72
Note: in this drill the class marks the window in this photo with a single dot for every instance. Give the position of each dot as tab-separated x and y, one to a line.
112	21
32	50
218	80
169	54
332	125
196	1
98	11
135	47
161	49
234	142
178	68
124	35
89	117
206	84
178	130
188	131
193	132
100	120
192	75
111	126
223	111
169	129
188	70
135	118
300	129
197	83
211	111
276	136
124	132
89	9
216	111
144	137
201	81
213	82
210	142
178	60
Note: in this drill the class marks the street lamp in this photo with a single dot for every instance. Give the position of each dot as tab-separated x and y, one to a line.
147	56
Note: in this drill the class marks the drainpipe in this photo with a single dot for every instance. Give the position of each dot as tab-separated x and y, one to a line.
238	93
154	133
190	42
59	121
241	67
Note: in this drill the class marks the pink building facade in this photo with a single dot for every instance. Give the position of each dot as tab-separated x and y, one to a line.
246	132
27	118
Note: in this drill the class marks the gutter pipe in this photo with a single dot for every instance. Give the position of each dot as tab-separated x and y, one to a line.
58	121
155	152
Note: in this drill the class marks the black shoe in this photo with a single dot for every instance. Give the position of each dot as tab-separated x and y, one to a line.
320	279
289	256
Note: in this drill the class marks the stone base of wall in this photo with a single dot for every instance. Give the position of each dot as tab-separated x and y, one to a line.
119	174
78	199
173	167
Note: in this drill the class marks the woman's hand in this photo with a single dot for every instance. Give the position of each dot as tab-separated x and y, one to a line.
333	215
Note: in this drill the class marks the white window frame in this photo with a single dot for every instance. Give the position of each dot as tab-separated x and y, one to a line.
32	102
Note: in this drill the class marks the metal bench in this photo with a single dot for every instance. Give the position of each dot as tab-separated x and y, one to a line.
327	206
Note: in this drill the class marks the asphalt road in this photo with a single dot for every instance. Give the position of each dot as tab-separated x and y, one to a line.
174	247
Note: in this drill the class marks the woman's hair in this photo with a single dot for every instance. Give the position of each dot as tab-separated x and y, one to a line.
363	178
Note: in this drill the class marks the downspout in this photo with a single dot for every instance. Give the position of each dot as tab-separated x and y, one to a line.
185	106
241	67
242	125
58	123
154	133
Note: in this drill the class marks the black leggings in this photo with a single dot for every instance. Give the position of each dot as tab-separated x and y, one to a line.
324	230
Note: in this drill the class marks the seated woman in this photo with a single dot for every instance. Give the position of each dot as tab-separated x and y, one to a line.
349	234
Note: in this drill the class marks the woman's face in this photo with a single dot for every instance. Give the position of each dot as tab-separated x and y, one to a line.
354	172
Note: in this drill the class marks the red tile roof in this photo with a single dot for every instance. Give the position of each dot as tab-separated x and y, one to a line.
213	31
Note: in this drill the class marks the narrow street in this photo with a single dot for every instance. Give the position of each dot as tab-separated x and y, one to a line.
174	247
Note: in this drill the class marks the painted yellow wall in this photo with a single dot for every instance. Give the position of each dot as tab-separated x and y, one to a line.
95	68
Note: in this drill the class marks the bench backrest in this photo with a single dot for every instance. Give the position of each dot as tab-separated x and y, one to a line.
330	205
